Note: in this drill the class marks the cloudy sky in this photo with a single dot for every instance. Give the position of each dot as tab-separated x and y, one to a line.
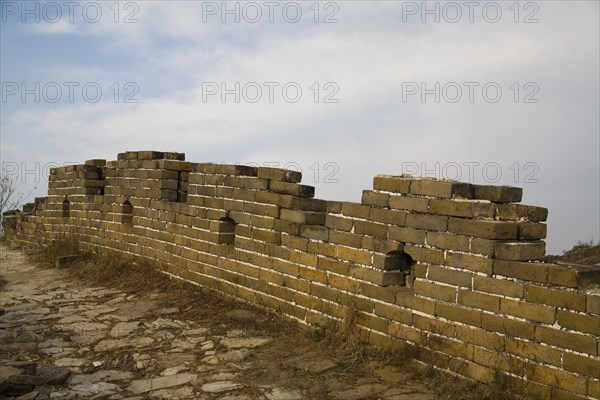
484	92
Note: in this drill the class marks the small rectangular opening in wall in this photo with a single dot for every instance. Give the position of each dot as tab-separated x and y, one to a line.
182	186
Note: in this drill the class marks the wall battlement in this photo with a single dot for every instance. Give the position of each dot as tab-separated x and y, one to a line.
452	267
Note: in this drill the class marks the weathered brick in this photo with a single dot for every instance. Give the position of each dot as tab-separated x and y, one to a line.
533	351
336	266
392	217
478	300
315	232
418	204
483	228
557	378
313	275
354	255
528	311
338	222
406	298
498	194
462	208
443	189
507	326
426	221
436	291
423	254
291	228
557	298
346	239
588	366
292	189
380	245
303	217
531	231
469	261
370	228
573	276
568	340
303	258
406	235
448	241
520	251
450	276
480	337
389	183
378	277
434	325
279	174
376	199
528	271
460	314
579	322
356	210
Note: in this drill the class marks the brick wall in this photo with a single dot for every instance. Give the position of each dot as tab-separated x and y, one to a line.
448	266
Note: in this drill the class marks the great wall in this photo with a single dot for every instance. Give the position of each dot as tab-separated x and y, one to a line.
451	267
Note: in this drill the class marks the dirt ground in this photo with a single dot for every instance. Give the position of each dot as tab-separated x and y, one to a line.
128	332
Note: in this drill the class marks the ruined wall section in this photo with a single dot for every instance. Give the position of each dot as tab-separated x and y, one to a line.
451	267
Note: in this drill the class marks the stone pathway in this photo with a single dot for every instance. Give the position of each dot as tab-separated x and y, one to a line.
62	340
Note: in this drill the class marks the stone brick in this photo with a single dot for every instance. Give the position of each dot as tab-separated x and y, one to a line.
483	228
312	275
418	204
380	245
442	189
568	340
338	222
376	199
460	314
462	208
556	378
303	217
448	241
579	322
315	232
436	291
354	255
531	231
406	235
378	277
291	228
389	183
469	261
392	217
406	298
336	266
433	325
557	298
589	366
520	251
528	271
528	311
346	239
428	222
480	337
498	194
425	255
449	276
370	228
356	210
279	174
292	189
573	276
479	300
507	326
534	351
